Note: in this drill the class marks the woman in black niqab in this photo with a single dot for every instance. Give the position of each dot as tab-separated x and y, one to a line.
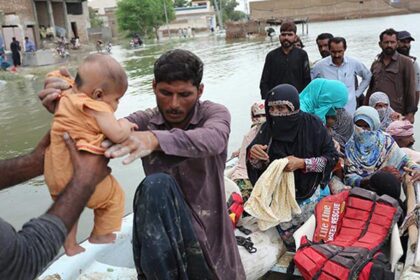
294	133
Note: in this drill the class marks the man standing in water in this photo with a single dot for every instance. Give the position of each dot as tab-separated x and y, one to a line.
393	74
15	48
343	68
181	224
285	64
404	46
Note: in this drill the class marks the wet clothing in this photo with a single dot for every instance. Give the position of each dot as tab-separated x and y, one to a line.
322	96
347	73
24	254
397	80
108	199
369	151
15	48
280	68
195	157
294	133
163	223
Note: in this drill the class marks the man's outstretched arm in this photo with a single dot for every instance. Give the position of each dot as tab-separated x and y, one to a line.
24	254
20	169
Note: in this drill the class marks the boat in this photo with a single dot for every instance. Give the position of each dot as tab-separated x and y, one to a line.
115	261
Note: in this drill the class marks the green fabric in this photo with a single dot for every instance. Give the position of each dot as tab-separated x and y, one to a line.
246	188
322	96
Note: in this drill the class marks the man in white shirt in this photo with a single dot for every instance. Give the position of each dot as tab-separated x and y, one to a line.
343	68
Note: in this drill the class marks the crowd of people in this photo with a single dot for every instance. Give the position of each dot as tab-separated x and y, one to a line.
313	116
320	120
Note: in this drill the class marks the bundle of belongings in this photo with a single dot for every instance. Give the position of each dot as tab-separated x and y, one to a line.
351	229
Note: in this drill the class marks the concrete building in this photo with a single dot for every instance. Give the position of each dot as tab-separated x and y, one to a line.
328	9
200	16
20	18
106	11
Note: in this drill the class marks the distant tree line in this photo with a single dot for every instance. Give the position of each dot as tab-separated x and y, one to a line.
146	16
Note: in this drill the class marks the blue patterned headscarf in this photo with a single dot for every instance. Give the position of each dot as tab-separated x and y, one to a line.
368	150
322	96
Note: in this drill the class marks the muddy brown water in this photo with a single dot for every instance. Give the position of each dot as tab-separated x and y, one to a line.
231	77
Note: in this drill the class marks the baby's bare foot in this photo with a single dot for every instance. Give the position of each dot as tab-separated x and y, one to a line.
102	239
73	250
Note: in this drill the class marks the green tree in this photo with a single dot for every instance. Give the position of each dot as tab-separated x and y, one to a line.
143	16
181	3
227	8
95	20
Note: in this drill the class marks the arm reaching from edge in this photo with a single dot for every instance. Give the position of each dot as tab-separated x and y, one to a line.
29	166
25	253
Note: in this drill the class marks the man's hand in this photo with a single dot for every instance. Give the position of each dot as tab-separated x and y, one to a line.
410	117
88	169
235	154
139	144
53	86
294	164
414	174
259	152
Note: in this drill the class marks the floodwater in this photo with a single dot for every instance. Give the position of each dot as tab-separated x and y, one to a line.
231	76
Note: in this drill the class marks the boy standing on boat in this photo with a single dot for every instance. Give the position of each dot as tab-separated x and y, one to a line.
286	64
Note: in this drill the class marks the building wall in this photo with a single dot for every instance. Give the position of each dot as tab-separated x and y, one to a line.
58	12
43	18
22	8
321	9
101	5
82	22
112	20
18	21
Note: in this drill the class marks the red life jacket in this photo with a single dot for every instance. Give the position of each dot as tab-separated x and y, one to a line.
362	229
235	206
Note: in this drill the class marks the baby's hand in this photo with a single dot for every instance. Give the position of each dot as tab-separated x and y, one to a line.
127	125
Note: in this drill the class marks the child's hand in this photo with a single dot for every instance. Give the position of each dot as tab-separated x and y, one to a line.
127	125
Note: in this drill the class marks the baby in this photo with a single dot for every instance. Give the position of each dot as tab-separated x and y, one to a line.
86	112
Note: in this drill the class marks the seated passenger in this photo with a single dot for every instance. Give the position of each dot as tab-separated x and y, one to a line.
403	132
340	125
370	149
240	174
380	101
302	139
323	97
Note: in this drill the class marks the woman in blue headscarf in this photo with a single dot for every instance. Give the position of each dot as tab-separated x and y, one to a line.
322	97
370	149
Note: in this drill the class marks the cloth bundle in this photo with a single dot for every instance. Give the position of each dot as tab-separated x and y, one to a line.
273	199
